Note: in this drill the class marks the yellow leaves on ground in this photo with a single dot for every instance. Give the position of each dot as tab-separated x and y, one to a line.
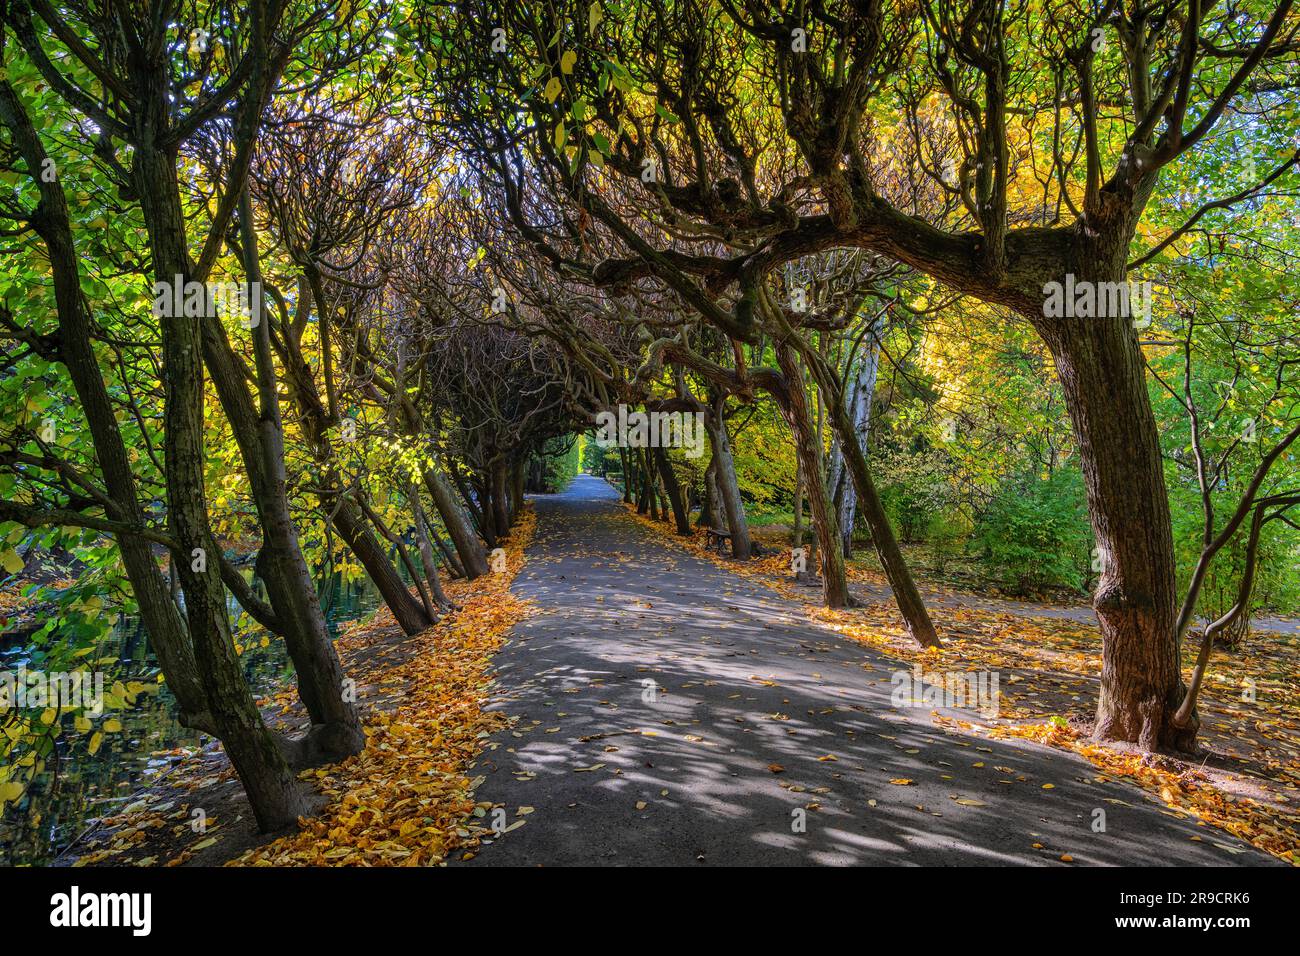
406	800
1275	830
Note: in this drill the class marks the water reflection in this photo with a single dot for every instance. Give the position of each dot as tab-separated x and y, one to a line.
77	787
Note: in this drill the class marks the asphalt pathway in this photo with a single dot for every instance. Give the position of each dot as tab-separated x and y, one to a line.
671	713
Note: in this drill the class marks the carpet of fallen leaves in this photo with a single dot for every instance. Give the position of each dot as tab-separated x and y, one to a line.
407	799
1049	670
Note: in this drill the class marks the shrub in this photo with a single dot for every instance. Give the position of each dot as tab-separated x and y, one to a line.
1034	531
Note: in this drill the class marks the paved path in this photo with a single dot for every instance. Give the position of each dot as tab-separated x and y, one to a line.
745	685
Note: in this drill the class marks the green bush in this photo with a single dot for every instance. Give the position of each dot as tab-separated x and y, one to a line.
945	536
1034	532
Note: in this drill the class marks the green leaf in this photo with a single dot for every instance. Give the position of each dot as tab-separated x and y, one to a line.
11	561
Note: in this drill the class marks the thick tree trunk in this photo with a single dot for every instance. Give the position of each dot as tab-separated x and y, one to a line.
674	492
517	476
500	476
1102	375
706	518
794	403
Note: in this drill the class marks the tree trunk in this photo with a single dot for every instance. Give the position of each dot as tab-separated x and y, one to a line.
652	485
643	492
424	540
273	791
1101	371
336	732
706	518
797	509
472	555
860	398
159	612
407	611
500	476
674	492
728	486
627	476
915	617
517	475
835	589
404	555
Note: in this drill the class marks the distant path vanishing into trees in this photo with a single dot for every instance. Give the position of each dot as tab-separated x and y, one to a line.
732	750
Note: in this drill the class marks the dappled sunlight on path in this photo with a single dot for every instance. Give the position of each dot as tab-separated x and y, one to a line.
672	713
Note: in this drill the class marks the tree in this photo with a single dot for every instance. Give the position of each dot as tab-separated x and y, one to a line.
659	91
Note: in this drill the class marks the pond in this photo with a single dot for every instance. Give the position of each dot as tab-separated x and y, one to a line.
76	787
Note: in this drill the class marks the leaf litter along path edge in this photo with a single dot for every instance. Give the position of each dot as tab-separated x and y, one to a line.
670	713
406	800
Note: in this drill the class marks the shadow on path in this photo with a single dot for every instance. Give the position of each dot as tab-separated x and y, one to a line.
691	686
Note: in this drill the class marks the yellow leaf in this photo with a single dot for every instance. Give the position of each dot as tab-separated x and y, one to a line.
112	725
96	739
567	61
552	89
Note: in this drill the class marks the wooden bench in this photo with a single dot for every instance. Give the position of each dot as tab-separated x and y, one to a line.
716	540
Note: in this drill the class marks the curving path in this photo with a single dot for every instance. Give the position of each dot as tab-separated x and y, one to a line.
743	687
